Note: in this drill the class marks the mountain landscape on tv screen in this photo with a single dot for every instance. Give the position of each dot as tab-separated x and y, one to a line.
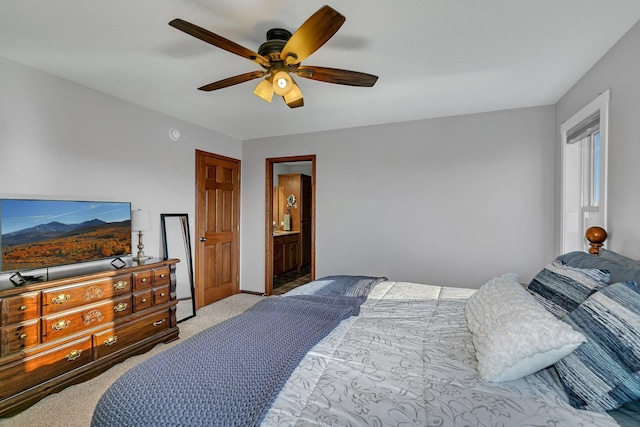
56	243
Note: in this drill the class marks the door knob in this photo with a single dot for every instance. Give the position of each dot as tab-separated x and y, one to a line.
203	239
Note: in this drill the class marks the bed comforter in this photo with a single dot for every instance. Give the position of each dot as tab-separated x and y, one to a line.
405	359
408	360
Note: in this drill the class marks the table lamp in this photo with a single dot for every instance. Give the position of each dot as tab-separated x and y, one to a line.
140	222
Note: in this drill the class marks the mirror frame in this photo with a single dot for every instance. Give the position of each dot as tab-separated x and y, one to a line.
184	254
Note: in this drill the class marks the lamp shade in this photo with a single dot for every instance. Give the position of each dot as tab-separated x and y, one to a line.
140	220
264	90
282	83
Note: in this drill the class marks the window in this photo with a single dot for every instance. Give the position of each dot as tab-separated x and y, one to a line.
584	149
597	162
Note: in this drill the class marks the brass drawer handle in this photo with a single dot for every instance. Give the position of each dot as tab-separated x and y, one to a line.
61	325
162	294
73	355
144	300
120	307
111	340
23	307
62	298
143	280
162	275
159	322
120	285
23	337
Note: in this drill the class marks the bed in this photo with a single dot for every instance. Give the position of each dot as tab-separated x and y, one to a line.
358	350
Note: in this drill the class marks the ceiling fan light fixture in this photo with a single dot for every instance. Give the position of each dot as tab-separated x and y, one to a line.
264	90
282	55
294	97
282	83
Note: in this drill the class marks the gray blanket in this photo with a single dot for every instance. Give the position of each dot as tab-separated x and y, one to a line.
229	374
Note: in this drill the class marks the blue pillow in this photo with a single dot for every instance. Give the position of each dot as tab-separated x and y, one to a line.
619	259
618	272
604	372
627	415
561	289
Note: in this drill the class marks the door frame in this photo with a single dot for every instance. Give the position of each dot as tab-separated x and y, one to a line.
268	215
200	228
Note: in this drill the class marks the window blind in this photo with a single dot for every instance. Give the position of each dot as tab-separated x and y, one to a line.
587	127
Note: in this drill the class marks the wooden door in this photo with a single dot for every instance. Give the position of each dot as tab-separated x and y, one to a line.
217	227
305	220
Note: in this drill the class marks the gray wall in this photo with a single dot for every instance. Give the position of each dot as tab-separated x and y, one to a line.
451	201
618	70
62	140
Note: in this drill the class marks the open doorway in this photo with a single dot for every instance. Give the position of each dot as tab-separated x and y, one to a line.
289	221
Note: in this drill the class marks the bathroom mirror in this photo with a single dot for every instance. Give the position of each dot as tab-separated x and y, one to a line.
176	243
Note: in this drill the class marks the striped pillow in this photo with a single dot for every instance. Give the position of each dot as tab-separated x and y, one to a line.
604	372
561	289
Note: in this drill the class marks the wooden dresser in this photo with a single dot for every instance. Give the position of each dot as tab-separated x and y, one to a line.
60	332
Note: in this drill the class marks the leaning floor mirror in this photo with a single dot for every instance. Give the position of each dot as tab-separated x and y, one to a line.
176	243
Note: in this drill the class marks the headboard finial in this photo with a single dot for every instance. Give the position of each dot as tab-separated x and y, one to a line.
596	237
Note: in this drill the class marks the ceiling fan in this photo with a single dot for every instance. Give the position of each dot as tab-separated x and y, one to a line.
281	55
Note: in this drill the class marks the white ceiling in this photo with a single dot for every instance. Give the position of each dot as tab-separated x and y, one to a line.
434	58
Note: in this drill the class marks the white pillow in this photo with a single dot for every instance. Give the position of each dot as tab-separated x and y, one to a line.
513	334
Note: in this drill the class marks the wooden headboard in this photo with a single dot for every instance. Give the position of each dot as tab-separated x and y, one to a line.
596	237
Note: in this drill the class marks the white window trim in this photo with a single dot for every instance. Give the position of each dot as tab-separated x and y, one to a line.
600	103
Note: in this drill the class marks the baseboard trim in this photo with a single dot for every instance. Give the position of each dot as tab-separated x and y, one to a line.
253	293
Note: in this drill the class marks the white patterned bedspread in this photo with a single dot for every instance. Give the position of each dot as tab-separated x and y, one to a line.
408	360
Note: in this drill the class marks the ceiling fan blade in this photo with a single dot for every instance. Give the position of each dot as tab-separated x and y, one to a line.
233	80
293	98
334	75
218	41
312	34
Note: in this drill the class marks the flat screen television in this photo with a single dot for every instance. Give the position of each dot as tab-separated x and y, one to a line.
45	233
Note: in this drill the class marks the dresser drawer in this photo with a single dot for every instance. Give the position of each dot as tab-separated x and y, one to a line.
278	251
161	276
161	295
278	267
122	336
142	279
14	338
293	238
63	298
35	369
19	308
142	300
74	321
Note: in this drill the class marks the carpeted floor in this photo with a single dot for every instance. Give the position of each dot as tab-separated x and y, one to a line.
73	406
